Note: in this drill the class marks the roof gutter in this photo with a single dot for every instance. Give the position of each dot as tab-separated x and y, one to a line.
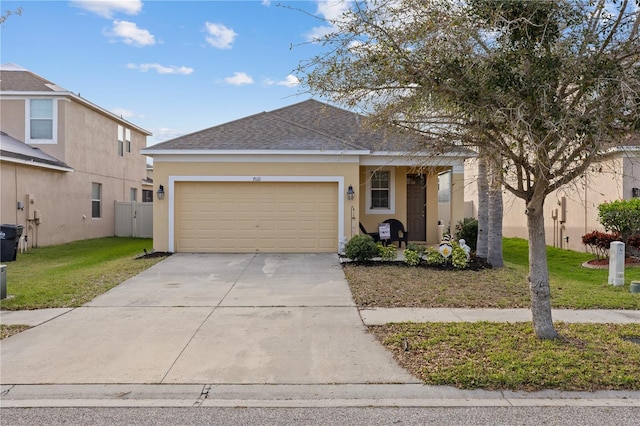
151	152
33	163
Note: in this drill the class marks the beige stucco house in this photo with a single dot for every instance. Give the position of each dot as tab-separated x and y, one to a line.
572	211
64	161
297	179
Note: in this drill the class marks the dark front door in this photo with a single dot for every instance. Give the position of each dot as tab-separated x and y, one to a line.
416	207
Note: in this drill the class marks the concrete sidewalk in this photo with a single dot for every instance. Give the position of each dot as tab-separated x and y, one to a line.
379	316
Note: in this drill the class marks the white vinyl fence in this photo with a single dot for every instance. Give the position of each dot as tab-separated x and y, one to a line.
134	219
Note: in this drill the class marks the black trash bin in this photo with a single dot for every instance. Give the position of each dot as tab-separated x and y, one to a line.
9	239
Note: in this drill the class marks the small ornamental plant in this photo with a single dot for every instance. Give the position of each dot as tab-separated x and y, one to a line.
433	257
387	253
599	243
459	257
361	248
411	257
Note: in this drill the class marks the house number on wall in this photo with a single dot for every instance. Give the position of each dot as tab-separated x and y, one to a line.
256	179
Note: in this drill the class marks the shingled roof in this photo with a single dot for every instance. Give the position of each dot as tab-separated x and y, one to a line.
14	78
308	126
13	150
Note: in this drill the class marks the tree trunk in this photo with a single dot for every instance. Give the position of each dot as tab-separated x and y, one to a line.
494	254
539	273
482	244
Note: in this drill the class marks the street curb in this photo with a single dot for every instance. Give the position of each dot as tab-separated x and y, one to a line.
299	396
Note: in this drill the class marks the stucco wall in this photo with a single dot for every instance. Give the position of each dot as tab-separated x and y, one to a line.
607	180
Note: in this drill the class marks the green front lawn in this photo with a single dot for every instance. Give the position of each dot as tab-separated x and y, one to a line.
494	355
69	275
572	285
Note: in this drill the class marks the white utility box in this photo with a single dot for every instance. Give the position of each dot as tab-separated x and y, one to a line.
616	263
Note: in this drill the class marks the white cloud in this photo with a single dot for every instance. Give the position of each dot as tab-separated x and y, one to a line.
331	10
161	69
131	34
220	36
107	8
266	2
239	79
290	81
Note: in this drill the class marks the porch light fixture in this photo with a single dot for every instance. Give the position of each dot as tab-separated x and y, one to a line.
160	193
350	193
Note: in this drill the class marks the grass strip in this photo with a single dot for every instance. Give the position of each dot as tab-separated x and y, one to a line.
498	356
10	330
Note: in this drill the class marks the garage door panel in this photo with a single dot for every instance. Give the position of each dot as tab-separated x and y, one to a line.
261	216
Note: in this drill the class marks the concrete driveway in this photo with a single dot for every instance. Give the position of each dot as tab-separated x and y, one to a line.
210	318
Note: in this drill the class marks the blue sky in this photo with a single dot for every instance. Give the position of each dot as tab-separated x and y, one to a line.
171	67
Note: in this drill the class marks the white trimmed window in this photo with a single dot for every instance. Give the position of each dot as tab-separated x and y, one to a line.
127	138
96	200
380	191
120	140
41	124
133	194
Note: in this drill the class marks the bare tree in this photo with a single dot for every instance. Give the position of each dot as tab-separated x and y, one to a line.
550	85
8	13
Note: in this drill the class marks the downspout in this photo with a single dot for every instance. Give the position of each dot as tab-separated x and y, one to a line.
585	207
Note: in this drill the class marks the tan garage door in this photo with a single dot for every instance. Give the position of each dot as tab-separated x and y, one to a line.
240	217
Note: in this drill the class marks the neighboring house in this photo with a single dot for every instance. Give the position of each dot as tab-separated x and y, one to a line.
572	211
64	161
297	179
147	185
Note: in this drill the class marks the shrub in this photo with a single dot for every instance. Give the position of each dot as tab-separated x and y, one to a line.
599	242
621	216
387	253
433	257
458	257
467	230
634	242
361	248
418	248
411	257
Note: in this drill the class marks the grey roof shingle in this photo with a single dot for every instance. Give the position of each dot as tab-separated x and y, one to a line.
11	147
308	125
16	79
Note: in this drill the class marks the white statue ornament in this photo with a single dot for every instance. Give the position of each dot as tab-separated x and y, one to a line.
465	247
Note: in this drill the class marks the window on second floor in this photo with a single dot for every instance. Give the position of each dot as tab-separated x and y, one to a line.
120	140
133	194
127	138
41	123
96	200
